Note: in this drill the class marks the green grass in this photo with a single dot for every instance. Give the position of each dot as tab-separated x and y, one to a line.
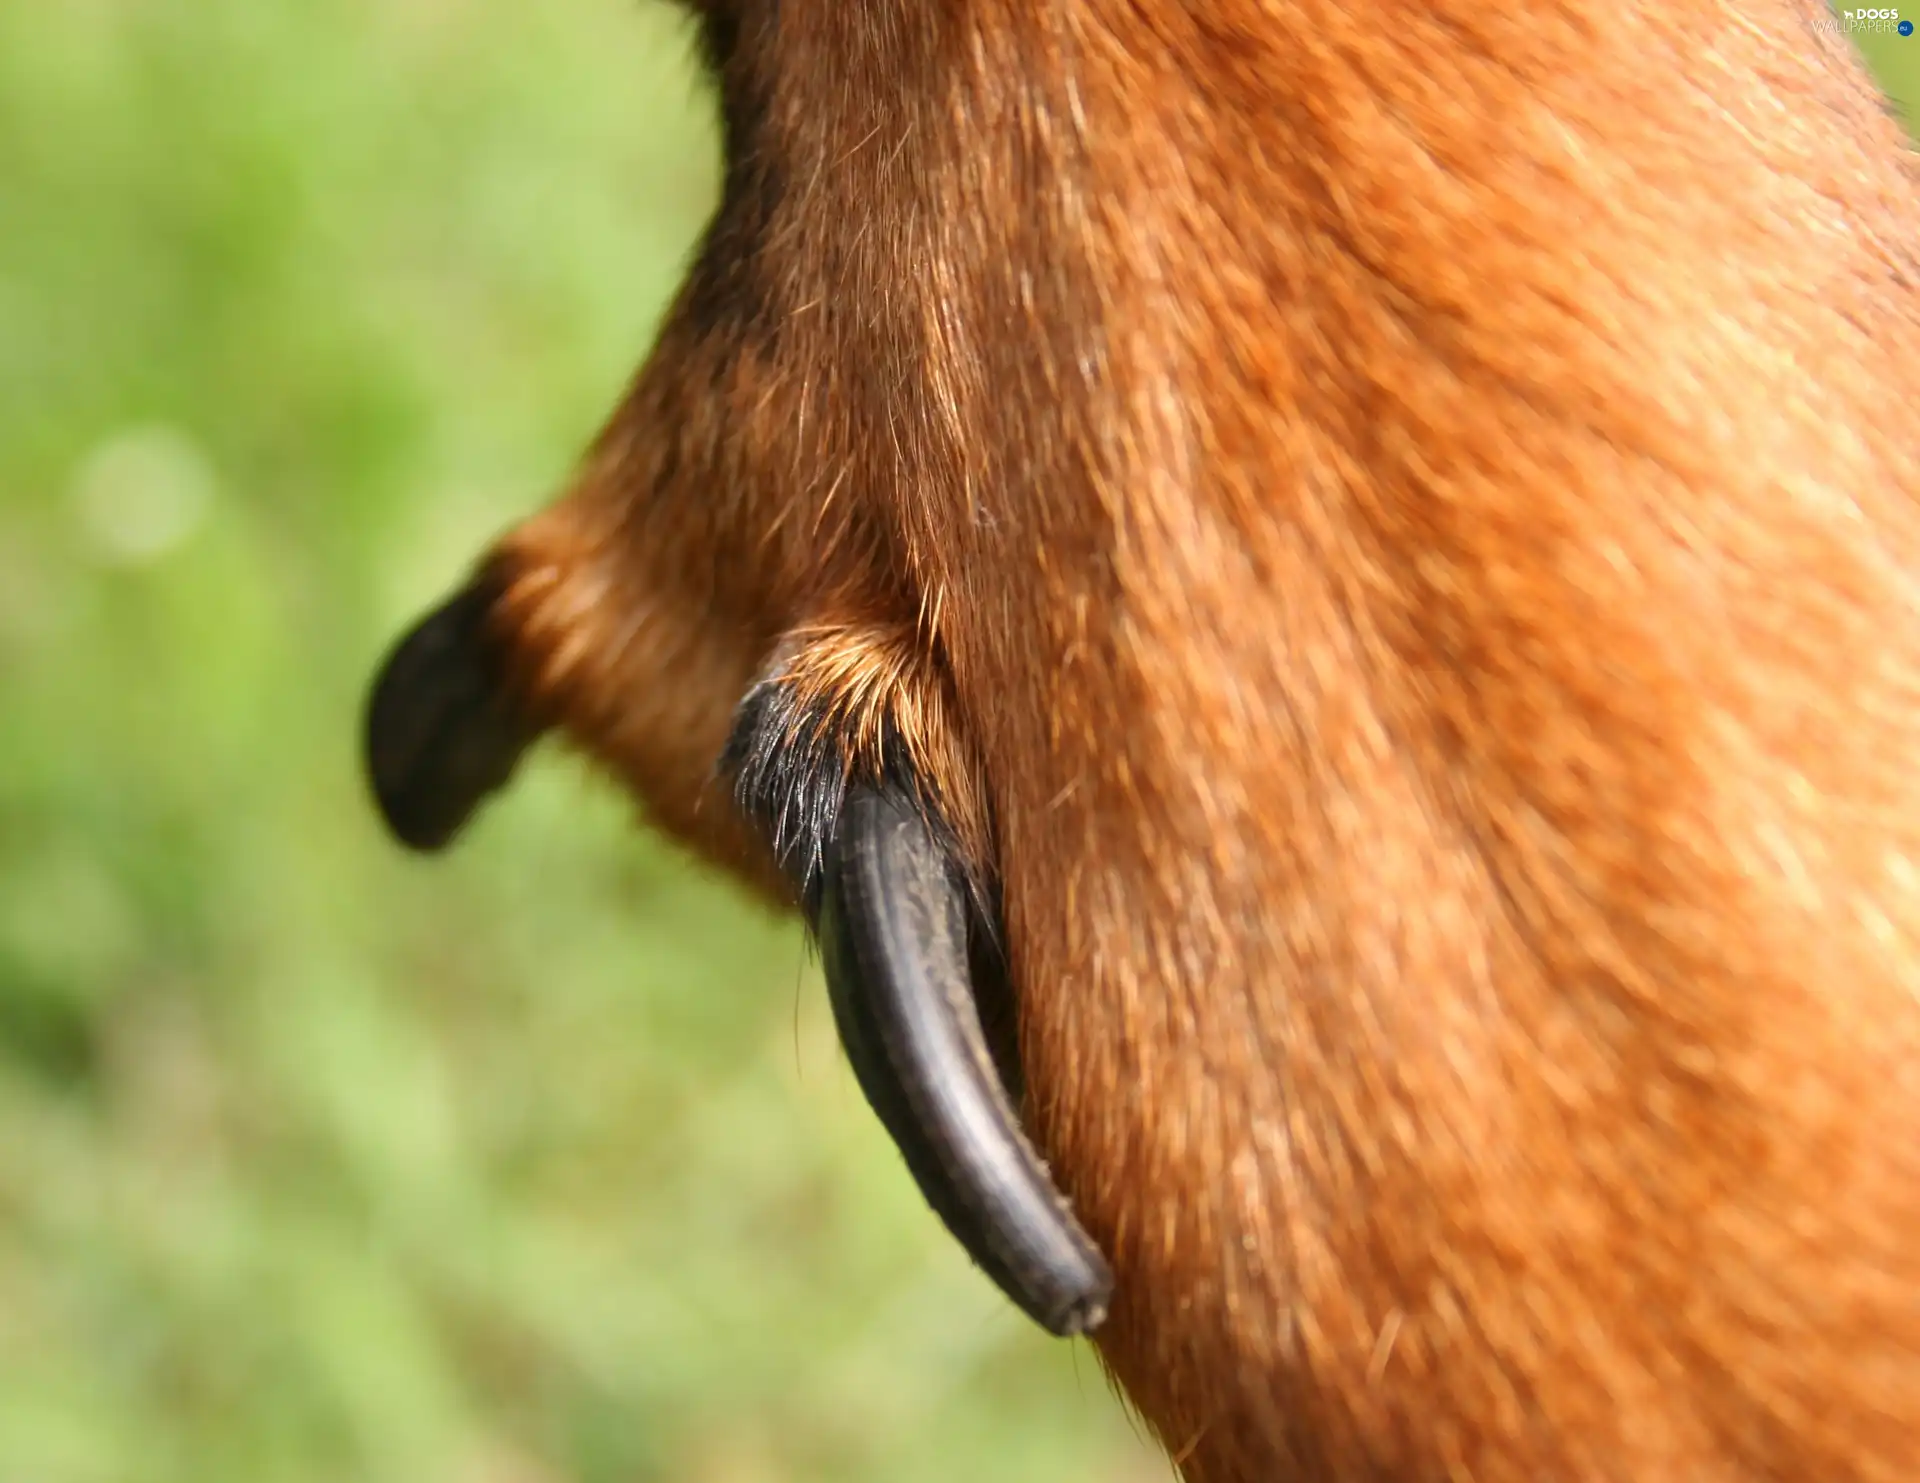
1896	61
316	1163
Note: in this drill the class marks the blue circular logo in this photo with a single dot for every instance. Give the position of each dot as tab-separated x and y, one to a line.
1906	28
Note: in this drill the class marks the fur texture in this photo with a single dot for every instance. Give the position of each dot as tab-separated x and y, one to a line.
1395	532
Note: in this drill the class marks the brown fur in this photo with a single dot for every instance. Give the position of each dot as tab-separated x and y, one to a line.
1396	529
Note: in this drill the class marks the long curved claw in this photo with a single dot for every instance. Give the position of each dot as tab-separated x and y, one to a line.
892	927
442	728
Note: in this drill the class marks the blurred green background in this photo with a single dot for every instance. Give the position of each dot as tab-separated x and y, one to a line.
536	1165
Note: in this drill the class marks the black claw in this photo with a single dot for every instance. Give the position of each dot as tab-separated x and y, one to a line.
893	942
913	971
442	728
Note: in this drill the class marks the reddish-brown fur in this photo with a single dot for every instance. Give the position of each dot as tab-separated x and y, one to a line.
1396	530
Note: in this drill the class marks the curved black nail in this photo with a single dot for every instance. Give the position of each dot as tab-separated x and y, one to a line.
892	927
442	729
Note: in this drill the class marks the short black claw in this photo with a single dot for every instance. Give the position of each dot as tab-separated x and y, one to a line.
443	730
910	967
